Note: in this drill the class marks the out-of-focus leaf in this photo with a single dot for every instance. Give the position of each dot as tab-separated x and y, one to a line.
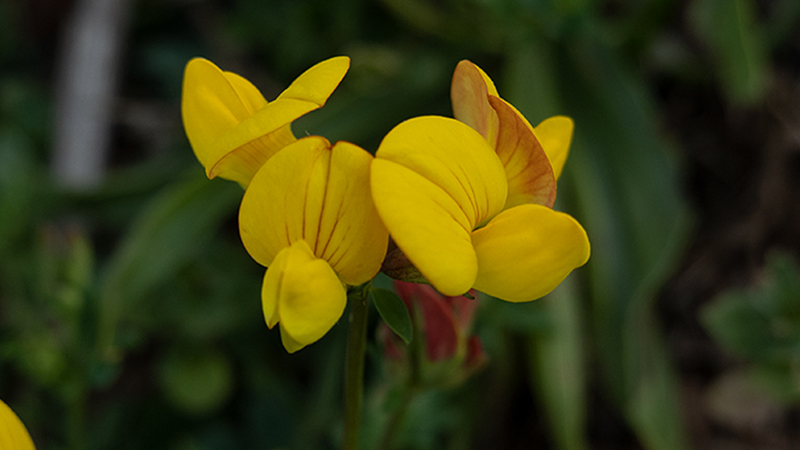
18	185
761	324
394	312
557	361
626	195
167	234
738	323
730	30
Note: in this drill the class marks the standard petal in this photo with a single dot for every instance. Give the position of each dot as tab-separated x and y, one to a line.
13	434
311	298
249	95
530	176
210	106
238	148
469	93
427	224
555	134
316	84
243	149
526	251
279	204
349	233
453	157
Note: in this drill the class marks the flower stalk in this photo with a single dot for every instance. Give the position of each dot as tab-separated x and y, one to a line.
354	365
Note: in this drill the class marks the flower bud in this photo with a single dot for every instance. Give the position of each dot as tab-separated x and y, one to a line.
448	352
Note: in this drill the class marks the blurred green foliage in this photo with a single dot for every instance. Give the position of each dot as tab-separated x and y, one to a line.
130	315
762	326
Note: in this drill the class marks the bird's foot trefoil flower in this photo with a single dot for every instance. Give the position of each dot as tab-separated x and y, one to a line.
233	130
469	202
308	216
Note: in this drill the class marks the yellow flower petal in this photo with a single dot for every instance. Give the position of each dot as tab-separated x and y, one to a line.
555	134
13	434
350	234
272	214
289	343
322	195
433	181
530	176
455	158
526	251
210	106
310	297
469	93
271	287
427	224
231	138
249	95
316	84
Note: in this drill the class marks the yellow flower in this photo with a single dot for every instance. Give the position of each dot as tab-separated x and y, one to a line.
233	129
13	435
473	208
308	216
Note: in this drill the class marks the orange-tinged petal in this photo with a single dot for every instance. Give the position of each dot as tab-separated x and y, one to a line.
427	224
13	434
310	296
455	158
555	134
526	251
350	234
488	81
530	176
469	93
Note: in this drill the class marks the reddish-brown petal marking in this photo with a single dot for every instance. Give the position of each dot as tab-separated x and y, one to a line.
528	170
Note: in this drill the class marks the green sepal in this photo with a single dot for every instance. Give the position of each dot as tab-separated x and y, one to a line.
394	312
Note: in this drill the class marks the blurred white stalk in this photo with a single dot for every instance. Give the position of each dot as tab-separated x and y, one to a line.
87	81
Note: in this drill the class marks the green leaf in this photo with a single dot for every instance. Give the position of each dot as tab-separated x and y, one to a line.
763	323
394	312
557	362
169	233
729	29
625	190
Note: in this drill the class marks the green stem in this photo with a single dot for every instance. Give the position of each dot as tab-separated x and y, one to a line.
354	368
